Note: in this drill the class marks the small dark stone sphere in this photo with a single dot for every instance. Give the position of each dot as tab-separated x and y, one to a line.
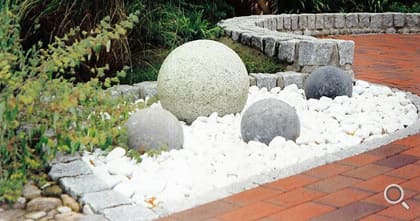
268	118
328	81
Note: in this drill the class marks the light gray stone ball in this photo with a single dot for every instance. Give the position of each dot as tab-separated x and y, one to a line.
268	118
328	81
202	77
154	128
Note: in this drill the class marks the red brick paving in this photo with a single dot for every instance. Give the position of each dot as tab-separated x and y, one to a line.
328	170
292	182
407	172
379	199
343	197
352	188
302	212
399	212
367	171
294	197
388	59
253	195
360	160
353	211
251	212
377	218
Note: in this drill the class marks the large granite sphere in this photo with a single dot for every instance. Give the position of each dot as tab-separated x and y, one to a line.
154	128
268	118
328	81
202	77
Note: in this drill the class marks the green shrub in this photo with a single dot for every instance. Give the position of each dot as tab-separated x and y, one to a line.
45	20
41	115
171	23
400	7
254	60
178	27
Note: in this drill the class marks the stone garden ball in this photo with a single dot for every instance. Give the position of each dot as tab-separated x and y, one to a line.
201	77
268	118
328	81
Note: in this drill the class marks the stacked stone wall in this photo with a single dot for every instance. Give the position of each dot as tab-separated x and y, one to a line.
292	38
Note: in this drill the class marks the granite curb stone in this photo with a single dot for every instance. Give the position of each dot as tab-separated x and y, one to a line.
281	35
128	213
105	199
77	186
70	169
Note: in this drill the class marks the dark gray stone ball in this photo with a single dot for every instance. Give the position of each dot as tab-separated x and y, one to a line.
328	81
268	118
154	129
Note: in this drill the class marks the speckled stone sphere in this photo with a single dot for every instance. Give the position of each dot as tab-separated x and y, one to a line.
154	128
328	81
202	77
268	118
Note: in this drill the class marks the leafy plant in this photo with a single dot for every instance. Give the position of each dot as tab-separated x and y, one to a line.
41	114
171	23
45	20
178	27
400	7
254	60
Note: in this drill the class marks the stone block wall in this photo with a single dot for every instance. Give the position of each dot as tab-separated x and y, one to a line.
290	37
267	80
343	23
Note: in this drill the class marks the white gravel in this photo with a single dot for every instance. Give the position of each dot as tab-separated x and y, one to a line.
214	156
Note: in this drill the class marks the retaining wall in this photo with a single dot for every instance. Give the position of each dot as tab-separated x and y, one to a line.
290	37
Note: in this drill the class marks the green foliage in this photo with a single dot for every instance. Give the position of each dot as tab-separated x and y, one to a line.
162	24
171	23
147	67
10	189
400	7
254	60
146	73
45	20
41	114
178	27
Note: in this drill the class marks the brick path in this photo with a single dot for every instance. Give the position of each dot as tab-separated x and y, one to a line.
350	189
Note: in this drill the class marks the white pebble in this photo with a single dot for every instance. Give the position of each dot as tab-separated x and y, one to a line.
120	167
116	153
214	155
277	142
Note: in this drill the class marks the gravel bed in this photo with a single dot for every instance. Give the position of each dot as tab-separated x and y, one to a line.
215	162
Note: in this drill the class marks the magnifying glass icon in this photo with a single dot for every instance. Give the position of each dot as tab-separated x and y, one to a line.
400	198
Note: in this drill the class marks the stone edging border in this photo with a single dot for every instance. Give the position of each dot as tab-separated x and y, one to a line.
269	81
76	177
289	37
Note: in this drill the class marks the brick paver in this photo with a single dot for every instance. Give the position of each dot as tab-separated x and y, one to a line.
292	182
252	195
367	171
302	212
352	188
328	170
353	211
295	197
388	59
343	197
